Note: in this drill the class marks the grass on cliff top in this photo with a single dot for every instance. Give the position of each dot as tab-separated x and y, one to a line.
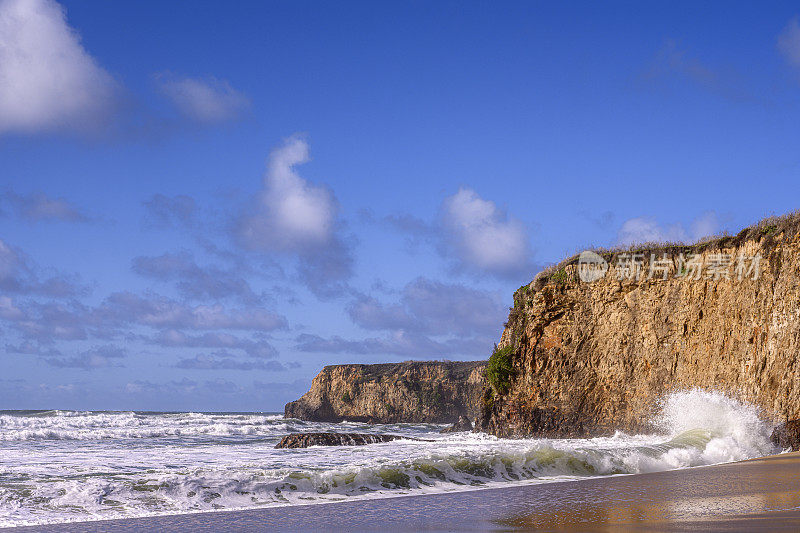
376	371
772	230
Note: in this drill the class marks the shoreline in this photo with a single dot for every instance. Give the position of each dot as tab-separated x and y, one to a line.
757	494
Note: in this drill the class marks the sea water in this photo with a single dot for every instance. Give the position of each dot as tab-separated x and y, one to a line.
59	466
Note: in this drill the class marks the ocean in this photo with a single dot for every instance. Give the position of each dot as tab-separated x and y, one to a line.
63	466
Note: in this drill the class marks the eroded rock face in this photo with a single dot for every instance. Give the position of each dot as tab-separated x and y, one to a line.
787	435
463	424
304	440
427	391
591	358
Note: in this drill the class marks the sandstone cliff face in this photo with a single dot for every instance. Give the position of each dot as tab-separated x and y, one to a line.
590	358
438	392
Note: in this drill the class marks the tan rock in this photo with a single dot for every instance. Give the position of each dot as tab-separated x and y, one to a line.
413	391
591	358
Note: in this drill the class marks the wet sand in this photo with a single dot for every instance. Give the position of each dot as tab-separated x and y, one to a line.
757	495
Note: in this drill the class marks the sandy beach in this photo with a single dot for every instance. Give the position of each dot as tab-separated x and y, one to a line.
756	495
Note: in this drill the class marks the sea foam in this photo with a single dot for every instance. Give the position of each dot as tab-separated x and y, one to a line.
63	465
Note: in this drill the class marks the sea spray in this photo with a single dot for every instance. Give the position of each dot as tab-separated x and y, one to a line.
64	465
737	429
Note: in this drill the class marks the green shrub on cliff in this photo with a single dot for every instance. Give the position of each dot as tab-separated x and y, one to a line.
560	276
500	369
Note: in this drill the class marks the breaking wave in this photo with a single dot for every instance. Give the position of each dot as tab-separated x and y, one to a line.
61	465
93	425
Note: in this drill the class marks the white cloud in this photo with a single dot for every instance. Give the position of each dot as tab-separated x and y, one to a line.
292	214
48	81
646	229
210	100
789	42
482	237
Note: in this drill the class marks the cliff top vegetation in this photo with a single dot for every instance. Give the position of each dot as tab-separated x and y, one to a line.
769	232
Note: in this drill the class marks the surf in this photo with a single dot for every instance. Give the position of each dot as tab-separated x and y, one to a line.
68	465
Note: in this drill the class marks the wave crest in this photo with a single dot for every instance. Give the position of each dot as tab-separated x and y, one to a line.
113	465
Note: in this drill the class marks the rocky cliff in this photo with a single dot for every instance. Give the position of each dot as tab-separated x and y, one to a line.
427	391
581	358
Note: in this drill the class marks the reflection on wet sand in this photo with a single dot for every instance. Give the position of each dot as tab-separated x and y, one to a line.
740	496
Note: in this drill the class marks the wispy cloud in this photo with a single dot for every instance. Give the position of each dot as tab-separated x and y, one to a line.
432	307
97	357
170	211
194	281
29	348
431	319
210	362
603	220
789	42
39	207
641	230
207	100
119	313
48	81
673	62
253	348
42	315
20	275
9	310
161	312
185	386
46	322
400	343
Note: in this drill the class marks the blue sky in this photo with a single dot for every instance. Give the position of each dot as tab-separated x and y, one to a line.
201	206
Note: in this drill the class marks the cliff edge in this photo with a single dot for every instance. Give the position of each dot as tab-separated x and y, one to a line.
580	358
413	391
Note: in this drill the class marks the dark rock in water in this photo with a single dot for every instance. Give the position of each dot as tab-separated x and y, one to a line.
787	435
463	424
304	440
